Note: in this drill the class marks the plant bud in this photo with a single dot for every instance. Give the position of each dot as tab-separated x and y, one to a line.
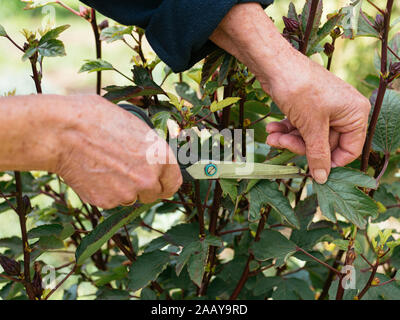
329	49
292	26
375	282
84	12
351	256
379	22
336	33
104	24
27	207
10	266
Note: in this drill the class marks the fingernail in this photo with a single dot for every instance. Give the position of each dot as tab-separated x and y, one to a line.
334	165
320	176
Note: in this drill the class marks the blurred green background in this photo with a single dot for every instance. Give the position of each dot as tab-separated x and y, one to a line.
353	61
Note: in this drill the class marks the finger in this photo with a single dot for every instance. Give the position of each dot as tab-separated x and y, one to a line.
318	150
283	126
276	127
334	139
273	140
294	143
150	189
349	148
170	180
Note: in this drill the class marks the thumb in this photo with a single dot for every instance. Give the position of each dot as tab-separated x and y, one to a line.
318	151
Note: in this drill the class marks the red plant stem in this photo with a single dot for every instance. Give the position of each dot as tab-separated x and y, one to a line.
385	165
384	283
259	120
331	275
61	282
4	276
36	75
232	231
241	124
200	210
310	25
375	6
143	224
367	261
330	59
118	241
393	206
394	53
369	282
95	27
212	228
382	88
243	279
15	44
246	273
24	237
69	8
317	260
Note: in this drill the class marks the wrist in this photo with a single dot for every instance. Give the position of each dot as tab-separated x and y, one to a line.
251	36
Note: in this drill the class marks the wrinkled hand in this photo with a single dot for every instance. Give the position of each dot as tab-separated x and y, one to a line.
105	157
326	117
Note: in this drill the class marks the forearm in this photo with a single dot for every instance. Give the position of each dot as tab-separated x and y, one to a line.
32	130
250	35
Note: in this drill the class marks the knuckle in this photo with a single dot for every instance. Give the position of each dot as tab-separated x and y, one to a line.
149	183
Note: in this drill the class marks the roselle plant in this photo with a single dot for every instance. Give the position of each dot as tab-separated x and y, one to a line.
249	239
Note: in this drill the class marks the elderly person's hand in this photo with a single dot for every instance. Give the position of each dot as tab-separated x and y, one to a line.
107	155
326	117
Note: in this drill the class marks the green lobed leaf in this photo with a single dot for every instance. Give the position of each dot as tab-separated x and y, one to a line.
117	94
141	78
195	256
267	192
211	63
51	48
53	34
339	194
112	294
273	245
29	53
387	133
115	33
351	19
285	288
160	120
229	187
95	66
324	31
188	94
180	235
364	26
104	231
147	268
216	106
45	230
311	233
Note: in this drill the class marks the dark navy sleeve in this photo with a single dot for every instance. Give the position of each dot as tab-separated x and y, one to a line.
177	30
